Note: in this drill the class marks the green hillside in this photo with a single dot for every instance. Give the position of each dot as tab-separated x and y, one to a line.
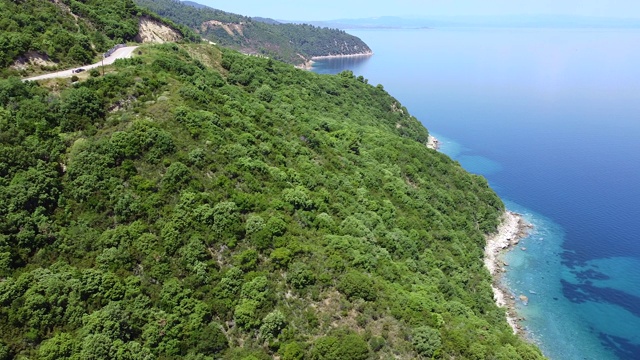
291	43
198	203
65	33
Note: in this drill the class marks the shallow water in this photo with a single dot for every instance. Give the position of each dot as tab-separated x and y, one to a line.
552	119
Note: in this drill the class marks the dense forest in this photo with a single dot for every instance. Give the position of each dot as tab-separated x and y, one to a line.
198	203
67	32
291	43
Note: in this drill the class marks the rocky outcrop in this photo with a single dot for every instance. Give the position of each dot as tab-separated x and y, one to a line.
32	59
230	28
153	31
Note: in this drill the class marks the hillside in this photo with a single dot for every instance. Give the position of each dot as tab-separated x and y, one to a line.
198	203
292	43
37	36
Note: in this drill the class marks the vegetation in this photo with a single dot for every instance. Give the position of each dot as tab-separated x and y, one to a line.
198	203
291	43
67	32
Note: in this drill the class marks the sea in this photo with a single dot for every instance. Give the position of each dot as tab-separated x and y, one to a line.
551	117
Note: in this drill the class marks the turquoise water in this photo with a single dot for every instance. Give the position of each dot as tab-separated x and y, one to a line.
552	119
536	272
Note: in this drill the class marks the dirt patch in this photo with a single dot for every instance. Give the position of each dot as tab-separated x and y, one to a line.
30	59
153	31
231	29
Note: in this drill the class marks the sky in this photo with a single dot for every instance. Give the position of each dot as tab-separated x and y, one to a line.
351	9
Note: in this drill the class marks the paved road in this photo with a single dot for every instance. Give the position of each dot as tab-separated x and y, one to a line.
122	53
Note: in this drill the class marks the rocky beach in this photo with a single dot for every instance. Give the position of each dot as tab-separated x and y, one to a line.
512	229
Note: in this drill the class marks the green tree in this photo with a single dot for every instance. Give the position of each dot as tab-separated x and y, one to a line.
272	324
177	175
300	275
58	347
346	347
426	341
357	285
80	108
246	314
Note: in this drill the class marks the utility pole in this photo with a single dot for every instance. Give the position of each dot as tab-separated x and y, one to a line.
102	65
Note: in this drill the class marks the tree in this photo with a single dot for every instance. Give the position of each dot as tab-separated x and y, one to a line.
58	347
272	325
357	285
347	346
292	351
80	108
80	55
426	341
300	275
177	175
210	340
246	314
280	257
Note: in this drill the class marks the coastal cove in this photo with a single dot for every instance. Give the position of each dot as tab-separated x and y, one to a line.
549	117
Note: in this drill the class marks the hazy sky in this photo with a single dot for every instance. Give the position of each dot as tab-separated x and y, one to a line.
336	9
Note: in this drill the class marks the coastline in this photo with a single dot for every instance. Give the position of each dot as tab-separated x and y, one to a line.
308	64
511	230
366	53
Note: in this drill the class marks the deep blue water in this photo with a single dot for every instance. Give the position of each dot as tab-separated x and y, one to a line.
552	119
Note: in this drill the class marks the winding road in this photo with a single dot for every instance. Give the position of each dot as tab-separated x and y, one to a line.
122	53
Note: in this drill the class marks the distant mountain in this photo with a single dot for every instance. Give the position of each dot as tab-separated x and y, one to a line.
292	43
266	20
388	22
195	4
520	21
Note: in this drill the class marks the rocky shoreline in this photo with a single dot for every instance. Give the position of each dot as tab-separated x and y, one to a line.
366	53
309	63
512	229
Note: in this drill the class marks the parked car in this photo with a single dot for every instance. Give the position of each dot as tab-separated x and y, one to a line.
75	71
